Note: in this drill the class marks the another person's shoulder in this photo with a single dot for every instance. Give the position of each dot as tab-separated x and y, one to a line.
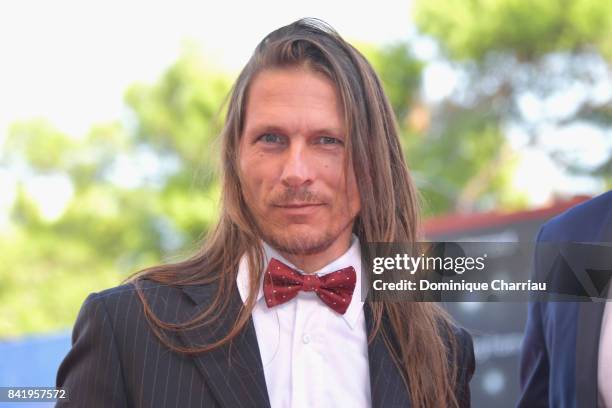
579	221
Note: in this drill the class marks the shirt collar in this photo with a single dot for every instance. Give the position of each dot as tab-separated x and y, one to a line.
352	257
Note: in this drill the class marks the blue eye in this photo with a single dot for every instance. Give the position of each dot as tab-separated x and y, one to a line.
329	140
271	138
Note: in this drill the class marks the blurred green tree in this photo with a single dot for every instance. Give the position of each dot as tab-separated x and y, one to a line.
457	154
145	189
133	199
138	191
542	64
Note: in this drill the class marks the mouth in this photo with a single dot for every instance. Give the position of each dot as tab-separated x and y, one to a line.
305	205
299	209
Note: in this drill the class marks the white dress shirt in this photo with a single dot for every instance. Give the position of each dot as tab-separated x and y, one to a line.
604	363
311	355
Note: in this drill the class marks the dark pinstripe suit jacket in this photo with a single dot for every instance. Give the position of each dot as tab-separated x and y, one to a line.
116	360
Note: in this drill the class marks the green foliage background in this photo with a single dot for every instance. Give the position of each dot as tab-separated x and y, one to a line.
456	149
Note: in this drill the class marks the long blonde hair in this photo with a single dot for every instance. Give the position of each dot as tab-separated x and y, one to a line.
389	212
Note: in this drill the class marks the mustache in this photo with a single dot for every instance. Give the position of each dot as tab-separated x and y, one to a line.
291	196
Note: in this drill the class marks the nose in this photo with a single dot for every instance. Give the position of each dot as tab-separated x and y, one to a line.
297	169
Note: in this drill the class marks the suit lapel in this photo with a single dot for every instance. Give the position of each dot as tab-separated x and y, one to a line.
587	351
588	333
387	387
234	372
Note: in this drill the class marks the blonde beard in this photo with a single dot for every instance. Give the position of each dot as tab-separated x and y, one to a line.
303	246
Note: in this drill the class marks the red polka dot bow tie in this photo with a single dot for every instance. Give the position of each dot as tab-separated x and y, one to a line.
282	283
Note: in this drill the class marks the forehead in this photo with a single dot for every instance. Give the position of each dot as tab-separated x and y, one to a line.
293	98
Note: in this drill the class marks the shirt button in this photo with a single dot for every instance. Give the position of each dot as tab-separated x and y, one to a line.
306	338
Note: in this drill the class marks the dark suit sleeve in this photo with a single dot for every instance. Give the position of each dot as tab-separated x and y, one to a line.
91	371
534	362
534	373
466	367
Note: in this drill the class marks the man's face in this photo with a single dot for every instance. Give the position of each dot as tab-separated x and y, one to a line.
291	160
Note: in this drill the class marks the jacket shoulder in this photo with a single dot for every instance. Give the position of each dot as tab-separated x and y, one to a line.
163	300
579	222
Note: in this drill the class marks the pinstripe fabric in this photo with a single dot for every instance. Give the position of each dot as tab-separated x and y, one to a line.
116	360
388	389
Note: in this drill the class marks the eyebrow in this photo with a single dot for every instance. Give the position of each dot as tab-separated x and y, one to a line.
260	129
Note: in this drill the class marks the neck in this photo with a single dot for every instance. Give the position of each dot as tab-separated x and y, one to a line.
313	262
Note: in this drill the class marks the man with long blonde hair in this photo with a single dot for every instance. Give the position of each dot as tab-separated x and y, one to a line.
269	312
